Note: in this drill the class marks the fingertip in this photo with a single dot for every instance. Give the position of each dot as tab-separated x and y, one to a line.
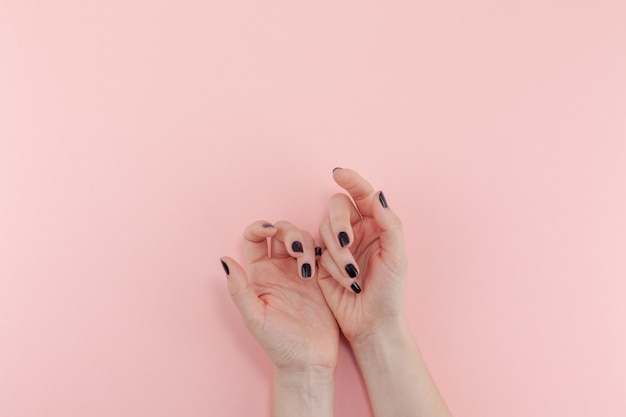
382	200
296	246
306	271
391	236
259	230
225	266
358	187
351	270
344	239
269	229
341	277
229	265
236	276
341	216
384	216
293	239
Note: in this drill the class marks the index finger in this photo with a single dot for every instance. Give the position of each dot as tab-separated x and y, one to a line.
255	240
359	189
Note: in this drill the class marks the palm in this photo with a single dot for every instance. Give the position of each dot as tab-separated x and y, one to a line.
382	289
295	327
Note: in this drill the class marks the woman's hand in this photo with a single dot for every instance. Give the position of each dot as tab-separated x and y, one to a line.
364	265
362	276
280	299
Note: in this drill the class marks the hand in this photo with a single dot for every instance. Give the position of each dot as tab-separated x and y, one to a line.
280	300
364	264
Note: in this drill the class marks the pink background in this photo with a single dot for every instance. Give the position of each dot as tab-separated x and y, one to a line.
138	139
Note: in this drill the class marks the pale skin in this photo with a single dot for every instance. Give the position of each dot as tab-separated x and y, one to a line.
295	320
288	316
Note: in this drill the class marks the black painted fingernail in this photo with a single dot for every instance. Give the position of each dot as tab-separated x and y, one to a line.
336	168
318	251
306	271
355	287
225	267
267	225
297	246
351	270
382	199
343	239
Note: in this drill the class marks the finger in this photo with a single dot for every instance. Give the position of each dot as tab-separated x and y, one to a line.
290	241
255	240
391	235
358	188
306	263
332	290
318	249
287	242
345	268
330	287
342	214
247	302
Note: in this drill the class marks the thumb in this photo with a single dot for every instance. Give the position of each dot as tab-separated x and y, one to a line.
391	236
244	297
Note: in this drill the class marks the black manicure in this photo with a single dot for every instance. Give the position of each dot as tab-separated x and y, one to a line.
306	271
382	199
336	168
351	270
318	251
343	239
268	225
355	287
297	246
225	267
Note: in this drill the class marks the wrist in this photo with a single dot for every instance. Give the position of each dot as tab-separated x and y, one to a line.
304	391
313	373
383	333
397	379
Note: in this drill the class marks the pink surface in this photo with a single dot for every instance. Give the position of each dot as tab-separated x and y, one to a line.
139	138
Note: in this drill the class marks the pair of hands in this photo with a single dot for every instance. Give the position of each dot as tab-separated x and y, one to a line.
295	309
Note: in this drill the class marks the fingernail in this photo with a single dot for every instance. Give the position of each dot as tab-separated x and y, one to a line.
225	267
343	239
318	251
306	271
267	225
355	287
336	168
382	199
297	246
351	270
